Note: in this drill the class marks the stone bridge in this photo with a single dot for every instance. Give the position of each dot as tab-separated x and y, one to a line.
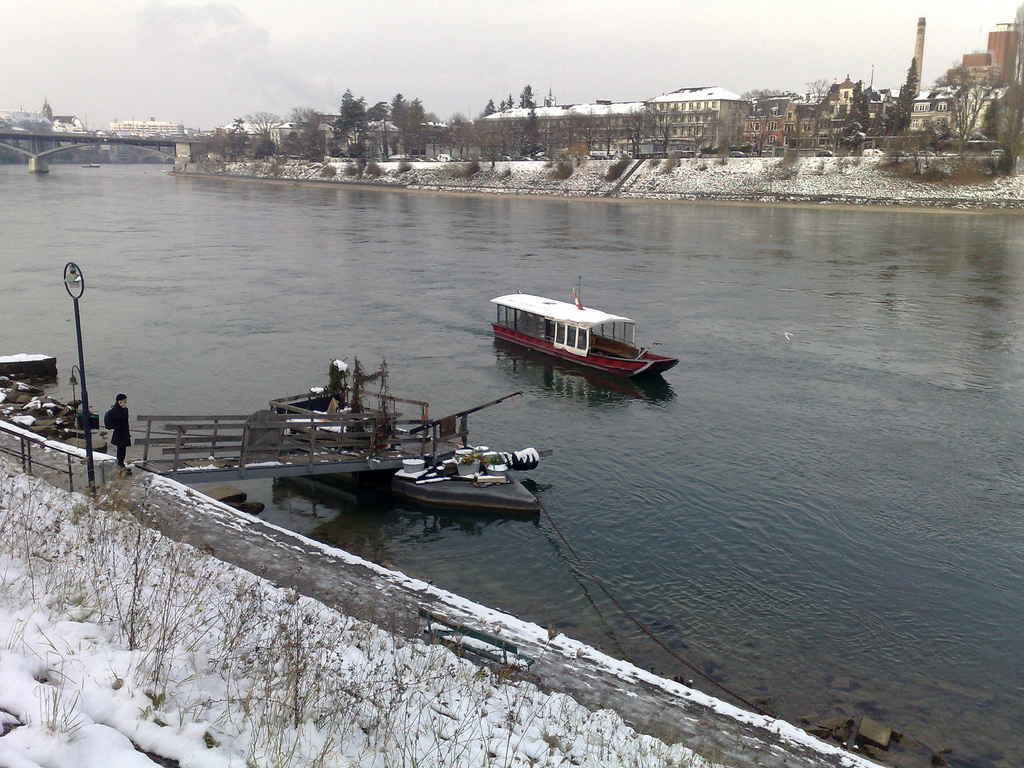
39	146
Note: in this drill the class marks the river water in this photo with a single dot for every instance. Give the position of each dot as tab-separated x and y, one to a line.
822	503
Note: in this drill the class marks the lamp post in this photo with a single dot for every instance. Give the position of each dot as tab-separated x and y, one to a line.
74	284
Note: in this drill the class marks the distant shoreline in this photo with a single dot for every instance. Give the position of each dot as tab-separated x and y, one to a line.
674	188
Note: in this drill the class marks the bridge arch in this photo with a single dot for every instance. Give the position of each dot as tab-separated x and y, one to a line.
6	144
55	150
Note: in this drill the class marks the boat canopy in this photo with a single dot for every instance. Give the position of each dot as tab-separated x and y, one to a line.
559	311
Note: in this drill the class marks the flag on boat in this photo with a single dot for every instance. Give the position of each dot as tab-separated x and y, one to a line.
576	298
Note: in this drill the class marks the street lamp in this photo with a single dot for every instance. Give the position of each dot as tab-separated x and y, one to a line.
74	284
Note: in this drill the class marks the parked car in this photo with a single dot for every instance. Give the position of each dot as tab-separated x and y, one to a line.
444	158
737	153
824	153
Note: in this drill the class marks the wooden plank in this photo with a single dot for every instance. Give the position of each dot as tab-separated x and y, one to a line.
207	417
198	426
193	439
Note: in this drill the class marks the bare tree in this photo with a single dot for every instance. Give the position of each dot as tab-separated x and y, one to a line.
311	141
495	137
460	133
636	128
1011	108
970	95
262	122
664	123
759	94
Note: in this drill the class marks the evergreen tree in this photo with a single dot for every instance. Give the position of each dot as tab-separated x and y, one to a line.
490	109
416	127
905	101
399	117
352	119
526	100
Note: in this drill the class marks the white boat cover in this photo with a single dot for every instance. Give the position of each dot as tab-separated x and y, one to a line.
560	311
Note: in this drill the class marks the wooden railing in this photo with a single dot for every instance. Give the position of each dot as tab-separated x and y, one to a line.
268	436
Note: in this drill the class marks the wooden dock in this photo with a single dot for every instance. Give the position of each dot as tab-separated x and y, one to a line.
300	435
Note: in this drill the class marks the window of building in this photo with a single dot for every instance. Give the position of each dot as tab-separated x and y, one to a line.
942	106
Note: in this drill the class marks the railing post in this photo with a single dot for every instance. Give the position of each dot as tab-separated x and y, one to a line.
213	445
149	429
71	476
245	444
177	446
312	438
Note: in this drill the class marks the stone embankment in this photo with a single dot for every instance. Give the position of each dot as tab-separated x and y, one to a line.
821	181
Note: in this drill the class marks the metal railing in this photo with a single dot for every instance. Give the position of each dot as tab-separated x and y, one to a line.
36	455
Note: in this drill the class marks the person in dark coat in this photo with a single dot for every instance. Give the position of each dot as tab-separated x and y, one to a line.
121	434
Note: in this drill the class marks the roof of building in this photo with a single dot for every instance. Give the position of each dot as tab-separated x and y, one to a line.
565	110
708	93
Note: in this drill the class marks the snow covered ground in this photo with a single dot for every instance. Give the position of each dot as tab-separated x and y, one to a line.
117	640
858	181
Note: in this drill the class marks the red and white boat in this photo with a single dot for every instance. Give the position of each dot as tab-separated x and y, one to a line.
572	332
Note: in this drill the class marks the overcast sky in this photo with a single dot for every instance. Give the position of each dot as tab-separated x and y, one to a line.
206	63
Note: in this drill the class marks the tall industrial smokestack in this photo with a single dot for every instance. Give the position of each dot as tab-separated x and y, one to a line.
919	51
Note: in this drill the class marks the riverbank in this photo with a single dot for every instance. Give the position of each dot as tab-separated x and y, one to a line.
857	182
199	558
133	646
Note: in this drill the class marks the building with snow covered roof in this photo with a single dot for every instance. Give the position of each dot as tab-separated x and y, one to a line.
68	124
847	116
601	128
691	119
685	120
26	121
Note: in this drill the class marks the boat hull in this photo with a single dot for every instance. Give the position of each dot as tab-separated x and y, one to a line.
463	494
647	364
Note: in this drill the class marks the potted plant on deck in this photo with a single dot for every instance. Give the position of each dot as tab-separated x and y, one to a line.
494	464
467	461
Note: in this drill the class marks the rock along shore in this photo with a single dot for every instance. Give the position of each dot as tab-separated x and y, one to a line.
808	181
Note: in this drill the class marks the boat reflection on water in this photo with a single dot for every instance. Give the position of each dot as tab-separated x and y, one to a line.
371	523
581	384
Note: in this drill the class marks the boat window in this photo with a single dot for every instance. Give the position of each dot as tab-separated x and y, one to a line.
549	329
559	333
506	316
617	331
531	324
581	340
570	336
